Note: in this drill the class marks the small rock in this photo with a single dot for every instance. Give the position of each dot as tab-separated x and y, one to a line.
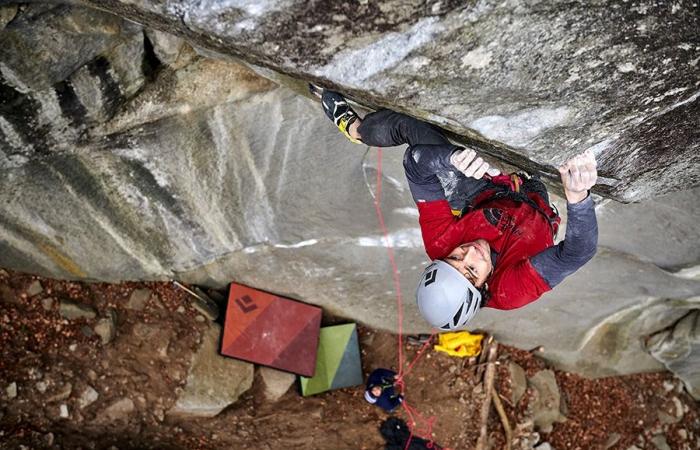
106	328
92	375
213	382
47	304
35	288
7	13
547	401
63	414
144	331
48	439
62	394
180	309
668	386
200	319
11	390
159	414
138	299
87	397
119	410
518	382
7	295
672	412
452	369
612	440
678	408
277	383
41	386
665	419
73	347
544	446
659	442
72	310
683	434
34	374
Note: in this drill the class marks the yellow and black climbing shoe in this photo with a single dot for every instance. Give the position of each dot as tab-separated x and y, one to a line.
338	110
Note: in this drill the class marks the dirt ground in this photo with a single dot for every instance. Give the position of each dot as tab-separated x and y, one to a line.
59	384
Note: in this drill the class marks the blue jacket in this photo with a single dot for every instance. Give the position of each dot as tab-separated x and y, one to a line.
389	399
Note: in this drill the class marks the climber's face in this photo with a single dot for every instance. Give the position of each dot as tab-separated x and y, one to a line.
473	260
376	391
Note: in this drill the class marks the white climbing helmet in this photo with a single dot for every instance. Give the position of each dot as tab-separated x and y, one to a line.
446	299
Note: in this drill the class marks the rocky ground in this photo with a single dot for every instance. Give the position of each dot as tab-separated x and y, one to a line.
93	365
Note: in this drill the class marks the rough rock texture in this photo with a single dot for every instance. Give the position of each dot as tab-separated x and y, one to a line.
533	81
116	165
49	99
214	381
678	348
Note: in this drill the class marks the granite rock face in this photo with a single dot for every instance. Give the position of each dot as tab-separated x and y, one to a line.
171	165
48	99
528	82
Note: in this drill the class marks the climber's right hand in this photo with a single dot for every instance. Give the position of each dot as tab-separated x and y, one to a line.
578	175
470	165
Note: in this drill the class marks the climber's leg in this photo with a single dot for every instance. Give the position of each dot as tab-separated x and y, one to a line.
387	128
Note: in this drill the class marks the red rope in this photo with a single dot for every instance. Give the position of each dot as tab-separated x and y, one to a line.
413	414
392	260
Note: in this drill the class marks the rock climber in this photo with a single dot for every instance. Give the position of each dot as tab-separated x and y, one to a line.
499	251
380	390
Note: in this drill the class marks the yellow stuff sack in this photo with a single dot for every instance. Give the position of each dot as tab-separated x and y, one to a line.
460	343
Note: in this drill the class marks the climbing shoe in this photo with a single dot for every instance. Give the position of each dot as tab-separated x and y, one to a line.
338	110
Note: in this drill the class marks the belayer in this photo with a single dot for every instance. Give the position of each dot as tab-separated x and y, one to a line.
380	390
499	252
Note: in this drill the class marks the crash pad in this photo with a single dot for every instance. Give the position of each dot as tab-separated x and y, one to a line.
338	363
270	330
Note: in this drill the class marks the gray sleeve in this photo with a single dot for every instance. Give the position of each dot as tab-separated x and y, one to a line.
422	164
578	247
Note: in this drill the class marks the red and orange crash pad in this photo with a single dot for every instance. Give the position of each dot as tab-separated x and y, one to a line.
274	331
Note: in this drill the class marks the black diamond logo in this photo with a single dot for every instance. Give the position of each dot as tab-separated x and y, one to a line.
246	304
430	277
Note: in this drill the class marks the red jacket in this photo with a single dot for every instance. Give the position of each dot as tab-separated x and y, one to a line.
515	230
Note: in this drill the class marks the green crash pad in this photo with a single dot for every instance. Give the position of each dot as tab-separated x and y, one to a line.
338	362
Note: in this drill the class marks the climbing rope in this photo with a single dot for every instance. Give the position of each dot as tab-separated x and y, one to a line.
415	418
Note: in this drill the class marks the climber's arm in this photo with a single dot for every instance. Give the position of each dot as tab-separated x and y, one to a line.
578	247
578	175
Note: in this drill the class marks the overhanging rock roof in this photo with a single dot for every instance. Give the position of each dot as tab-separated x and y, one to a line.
530	83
